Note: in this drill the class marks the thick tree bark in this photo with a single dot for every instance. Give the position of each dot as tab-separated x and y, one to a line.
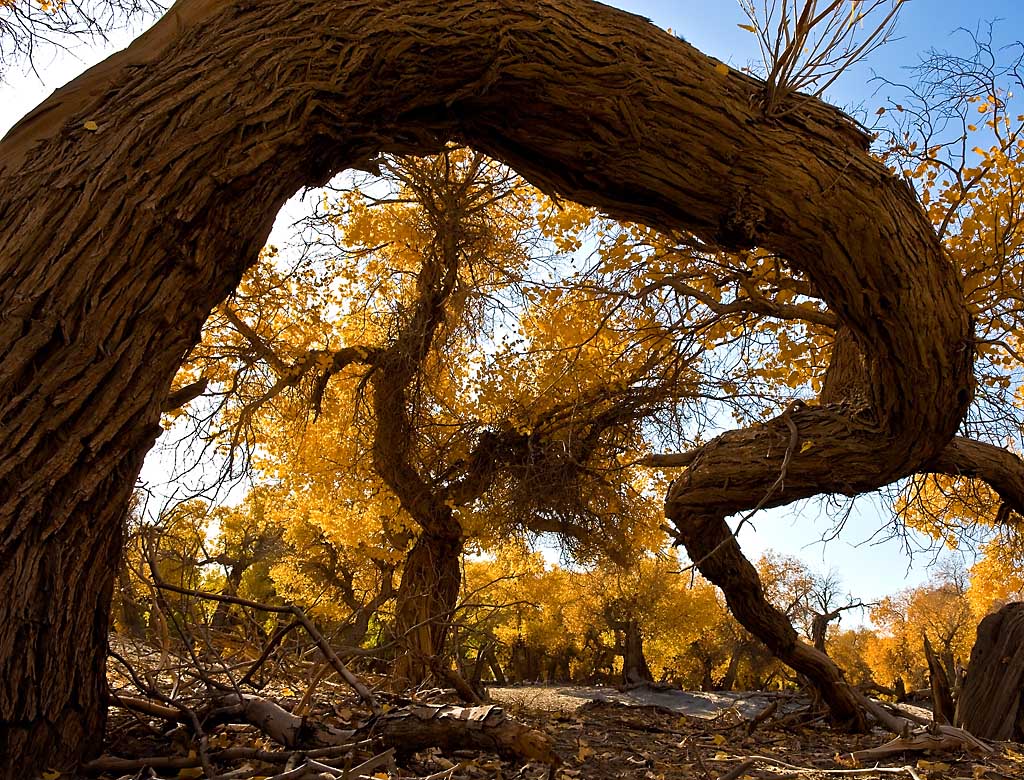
1000	468
990	703
133	199
846	381
427	596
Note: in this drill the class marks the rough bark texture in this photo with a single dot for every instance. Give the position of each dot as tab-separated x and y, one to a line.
847	382
427	595
1000	468
990	701
117	241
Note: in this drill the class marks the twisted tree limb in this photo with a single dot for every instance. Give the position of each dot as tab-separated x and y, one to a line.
165	166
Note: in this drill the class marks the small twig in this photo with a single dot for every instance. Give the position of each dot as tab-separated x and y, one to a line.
307	696
799	771
694	751
275	640
762	716
294	774
146	706
887	770
443	774
202	741
738	771
319	766
385	759
115	764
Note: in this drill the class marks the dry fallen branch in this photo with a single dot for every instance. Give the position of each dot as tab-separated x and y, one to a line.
116	764
948	738
332	658
147	707
762	716
406	731
936	737
313	768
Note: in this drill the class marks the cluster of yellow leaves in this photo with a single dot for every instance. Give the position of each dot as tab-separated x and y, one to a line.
939	610
998	576
976	207
534	358
47	5
755	362
946	508
548	621
950	509
566	616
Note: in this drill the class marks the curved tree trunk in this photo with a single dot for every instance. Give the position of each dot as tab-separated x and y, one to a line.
55	612
711	544
864	427
133	199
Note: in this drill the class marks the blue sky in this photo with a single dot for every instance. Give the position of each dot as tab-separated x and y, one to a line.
869	568
712	26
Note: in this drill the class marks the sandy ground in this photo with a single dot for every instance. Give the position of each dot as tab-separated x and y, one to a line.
568	698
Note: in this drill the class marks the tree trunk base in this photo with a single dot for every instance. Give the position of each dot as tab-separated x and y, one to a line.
990	704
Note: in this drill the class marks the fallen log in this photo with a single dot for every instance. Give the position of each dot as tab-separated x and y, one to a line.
448	727
408	729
